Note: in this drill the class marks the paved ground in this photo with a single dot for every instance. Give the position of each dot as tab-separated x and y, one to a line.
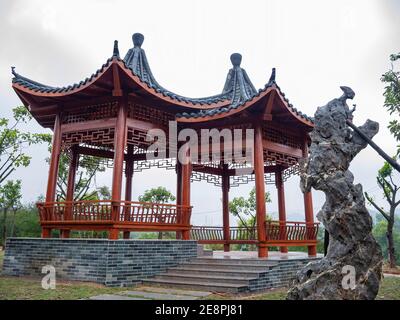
153	293
272	255
391	275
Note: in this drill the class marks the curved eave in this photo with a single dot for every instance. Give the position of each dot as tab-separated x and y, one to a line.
248	105
49	92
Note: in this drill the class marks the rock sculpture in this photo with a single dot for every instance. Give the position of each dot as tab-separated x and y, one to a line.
352	249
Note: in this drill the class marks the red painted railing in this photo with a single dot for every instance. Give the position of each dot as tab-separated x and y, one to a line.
216	234
291	231
276	232
114	212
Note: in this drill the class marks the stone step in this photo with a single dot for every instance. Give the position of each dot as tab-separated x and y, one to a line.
196	285
257	262
216	272
205	278
225	266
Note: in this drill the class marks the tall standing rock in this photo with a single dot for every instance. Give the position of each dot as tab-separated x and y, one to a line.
344	215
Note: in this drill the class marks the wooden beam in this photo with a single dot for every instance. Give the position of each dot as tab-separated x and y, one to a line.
281	148
89	125
54	160
225	206
308	206
143	125
119	146
260	191
117	91
281	204
270	103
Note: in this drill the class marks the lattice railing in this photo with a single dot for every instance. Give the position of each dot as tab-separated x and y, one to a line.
291	231
276	231
116	211
217	233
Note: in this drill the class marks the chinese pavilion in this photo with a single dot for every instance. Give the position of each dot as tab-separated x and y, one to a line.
109	114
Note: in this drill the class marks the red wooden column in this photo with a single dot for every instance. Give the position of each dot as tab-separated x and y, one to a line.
178	194
186	172
53	170
73	166
281	206
225	206
128	184
260	191
119	148
308	207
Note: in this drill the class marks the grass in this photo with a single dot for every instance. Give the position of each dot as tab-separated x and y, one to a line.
390	289
13	288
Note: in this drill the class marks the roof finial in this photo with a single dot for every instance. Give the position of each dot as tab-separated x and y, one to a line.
13	71
116	50
137	39
273	74
236	59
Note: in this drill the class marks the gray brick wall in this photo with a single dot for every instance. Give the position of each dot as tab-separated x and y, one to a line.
280	275
109	262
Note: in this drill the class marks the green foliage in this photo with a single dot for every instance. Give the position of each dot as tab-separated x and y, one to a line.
379	232
155	235
157	195
10	199
88	167
245	208
392	95
13	142
10	195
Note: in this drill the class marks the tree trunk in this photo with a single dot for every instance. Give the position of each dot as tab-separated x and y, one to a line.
391	250
4	227
13	224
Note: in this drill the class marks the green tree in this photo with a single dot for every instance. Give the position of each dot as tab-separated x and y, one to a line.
10	199
385	177
85	177
157	195
245	209
392	95
13	142
386	181
380	234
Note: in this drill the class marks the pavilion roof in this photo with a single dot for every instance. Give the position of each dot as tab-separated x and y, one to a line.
237	92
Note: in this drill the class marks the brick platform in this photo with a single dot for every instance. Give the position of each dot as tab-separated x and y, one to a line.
109	262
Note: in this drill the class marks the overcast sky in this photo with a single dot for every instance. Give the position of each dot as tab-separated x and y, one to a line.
316	46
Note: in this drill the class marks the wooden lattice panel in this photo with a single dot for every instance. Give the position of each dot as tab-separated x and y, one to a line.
96	137
275	158
137	138
280	136
92	112
148	114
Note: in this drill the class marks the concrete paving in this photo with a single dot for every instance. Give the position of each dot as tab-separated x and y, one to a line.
153	293
114	297
272	255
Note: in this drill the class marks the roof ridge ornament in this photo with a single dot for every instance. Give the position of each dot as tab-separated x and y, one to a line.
116	50
238	83
236	59
272	77
137	39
